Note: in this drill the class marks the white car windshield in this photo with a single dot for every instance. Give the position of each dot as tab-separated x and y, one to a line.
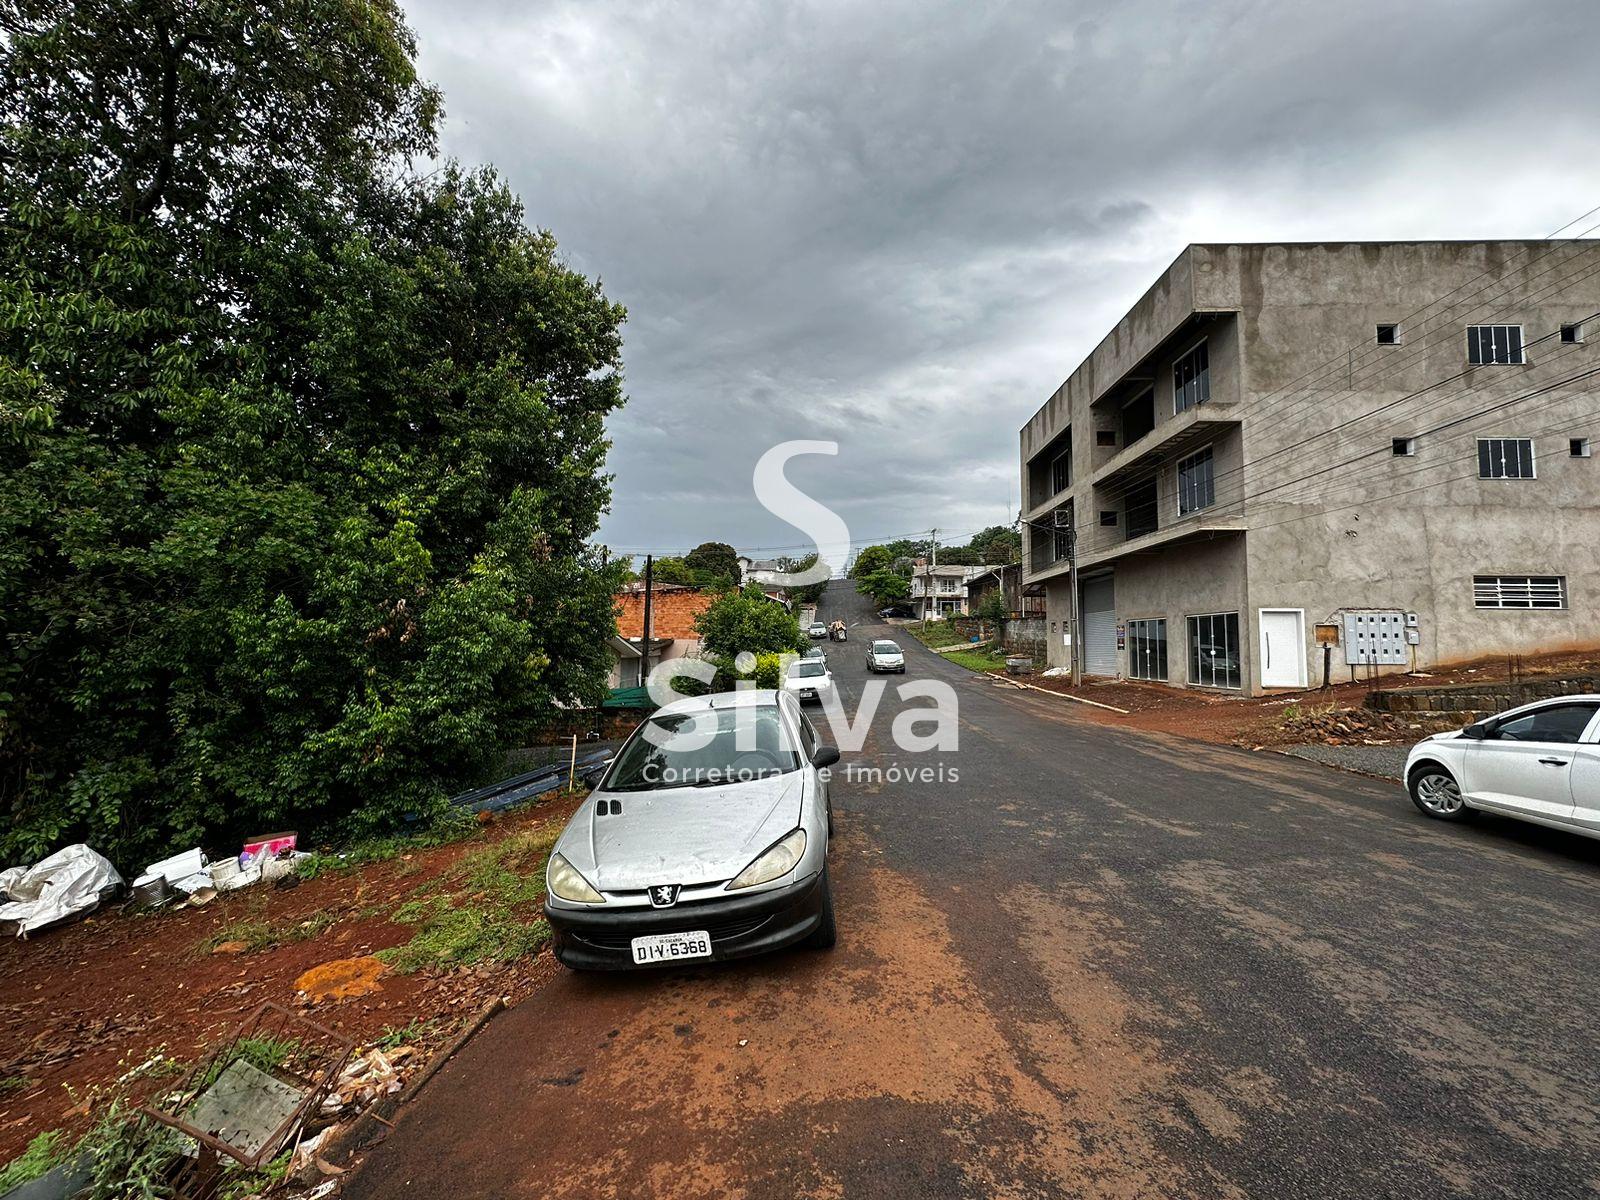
704	748
885	648
808	670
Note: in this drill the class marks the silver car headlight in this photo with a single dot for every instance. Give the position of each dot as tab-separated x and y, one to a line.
565	883
776	860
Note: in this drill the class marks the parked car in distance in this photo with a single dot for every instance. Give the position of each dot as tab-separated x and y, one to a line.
1539	762
707	839
814	652
897	610
817	630
884	655
808	679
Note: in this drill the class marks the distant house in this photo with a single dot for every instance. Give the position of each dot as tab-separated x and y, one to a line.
765	572
1021	600
673	609
940	591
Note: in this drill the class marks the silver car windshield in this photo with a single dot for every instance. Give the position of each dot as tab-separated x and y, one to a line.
885	648
805	670
704	748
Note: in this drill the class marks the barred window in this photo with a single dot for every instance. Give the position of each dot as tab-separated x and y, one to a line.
1497	345
1191	379
1147	649
1505	458
1519	591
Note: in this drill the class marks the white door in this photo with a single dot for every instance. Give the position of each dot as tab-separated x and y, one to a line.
1283	647
1099	628
1525	764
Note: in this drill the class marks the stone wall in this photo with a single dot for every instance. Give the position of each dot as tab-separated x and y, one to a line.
1480	697
1025	635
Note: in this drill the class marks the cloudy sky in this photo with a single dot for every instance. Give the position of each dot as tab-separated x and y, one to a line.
899	226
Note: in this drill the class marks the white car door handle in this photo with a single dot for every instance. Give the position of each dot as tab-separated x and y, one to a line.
1554	762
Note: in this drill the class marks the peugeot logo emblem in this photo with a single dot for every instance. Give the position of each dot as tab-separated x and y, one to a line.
664	895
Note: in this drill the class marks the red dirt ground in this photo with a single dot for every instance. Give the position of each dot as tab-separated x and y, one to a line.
81	1005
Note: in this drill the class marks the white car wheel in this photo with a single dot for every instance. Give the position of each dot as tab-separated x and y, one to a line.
1436	792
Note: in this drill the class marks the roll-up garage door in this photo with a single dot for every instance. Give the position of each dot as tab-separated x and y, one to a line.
1099	627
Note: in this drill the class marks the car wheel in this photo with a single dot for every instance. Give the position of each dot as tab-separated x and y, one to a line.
826	934
1435	791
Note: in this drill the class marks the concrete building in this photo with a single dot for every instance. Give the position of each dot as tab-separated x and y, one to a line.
1386	444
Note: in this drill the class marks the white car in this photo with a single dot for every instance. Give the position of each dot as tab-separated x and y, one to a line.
817	630
809	679
1539	762
884	655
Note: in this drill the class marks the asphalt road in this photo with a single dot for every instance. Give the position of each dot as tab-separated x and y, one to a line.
1095	964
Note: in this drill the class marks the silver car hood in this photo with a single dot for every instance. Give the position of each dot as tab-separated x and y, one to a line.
687	836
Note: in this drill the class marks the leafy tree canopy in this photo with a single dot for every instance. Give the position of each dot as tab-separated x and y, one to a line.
299	453
714	562
739	621
885	587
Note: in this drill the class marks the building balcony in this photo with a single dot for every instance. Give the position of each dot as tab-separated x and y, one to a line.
1169	440
1111	544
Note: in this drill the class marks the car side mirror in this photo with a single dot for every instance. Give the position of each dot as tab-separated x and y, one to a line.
1477	731
825	756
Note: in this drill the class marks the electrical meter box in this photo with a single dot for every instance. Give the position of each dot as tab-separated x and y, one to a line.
1375	636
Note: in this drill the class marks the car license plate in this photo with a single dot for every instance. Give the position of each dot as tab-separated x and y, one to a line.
671	947
808	693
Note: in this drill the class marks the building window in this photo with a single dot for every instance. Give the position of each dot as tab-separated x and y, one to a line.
1108	517
1147	650
1061	473
1519	591
1388	335
1505	458
1191	380
1579	447
1405	447
1214	650
1197	486
1498	345
1572	334
1062	543
1105	437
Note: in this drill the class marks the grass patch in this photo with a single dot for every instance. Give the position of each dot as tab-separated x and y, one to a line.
262	1053
977	660
933	633
11	1084
44	1153
453	827
259	933
484	909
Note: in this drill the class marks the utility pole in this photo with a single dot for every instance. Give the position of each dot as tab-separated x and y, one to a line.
1072	577
644	653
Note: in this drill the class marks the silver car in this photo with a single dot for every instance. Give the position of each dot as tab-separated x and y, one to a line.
884	655
707	839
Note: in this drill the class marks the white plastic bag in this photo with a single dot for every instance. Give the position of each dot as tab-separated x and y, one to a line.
68	883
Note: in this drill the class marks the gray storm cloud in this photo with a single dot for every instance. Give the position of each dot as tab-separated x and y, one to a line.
900	226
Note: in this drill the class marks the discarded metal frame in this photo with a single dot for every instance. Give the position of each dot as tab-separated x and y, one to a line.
314	1057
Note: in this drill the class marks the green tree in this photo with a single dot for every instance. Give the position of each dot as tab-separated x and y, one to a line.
740	621
299	453
673	570
959	556
809	593
997	544
715	564
885	587
870	560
